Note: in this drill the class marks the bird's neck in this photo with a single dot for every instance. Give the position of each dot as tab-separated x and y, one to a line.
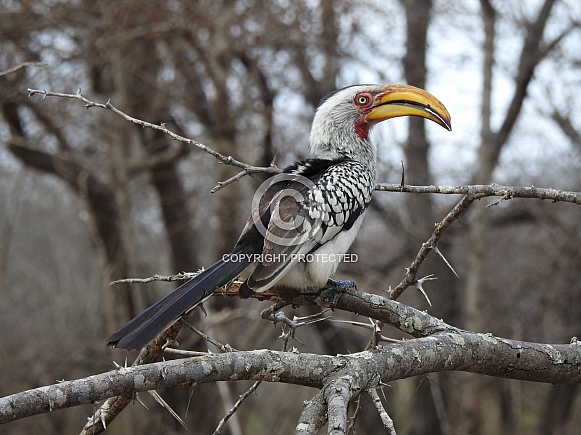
331	139
355	149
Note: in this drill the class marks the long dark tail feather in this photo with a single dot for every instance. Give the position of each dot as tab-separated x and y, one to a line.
146	326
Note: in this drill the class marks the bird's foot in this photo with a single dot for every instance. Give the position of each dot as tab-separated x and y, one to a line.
341	285
335	288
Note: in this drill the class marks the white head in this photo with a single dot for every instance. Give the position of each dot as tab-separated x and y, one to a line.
344	119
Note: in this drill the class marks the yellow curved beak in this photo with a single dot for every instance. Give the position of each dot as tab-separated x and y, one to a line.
406	100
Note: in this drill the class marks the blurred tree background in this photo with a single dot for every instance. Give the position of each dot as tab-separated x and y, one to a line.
88	197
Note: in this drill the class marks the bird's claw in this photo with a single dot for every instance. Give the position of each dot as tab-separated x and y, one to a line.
335	288
341	285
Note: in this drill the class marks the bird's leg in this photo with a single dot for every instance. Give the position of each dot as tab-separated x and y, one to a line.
335	288
341	285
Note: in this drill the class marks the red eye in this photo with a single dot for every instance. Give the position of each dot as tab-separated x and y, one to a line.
362	100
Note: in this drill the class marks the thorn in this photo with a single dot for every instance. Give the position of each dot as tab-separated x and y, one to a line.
437	251
310	322
138	400
297	340
311	316
165	405
389	339
419	285
78	93
402	182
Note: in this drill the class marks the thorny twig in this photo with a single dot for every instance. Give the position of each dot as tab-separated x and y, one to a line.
113	406
485	190
411	272
275	315
223	347
375	327
241	399
353	418
385	418
241	174
228	160
167	407
156	277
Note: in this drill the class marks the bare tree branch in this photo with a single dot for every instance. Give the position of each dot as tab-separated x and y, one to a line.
506	192
385	418
113	406
338	394
241	399
566	126
169	278
431	244
530	56
445	349
21	66
228	160
313	417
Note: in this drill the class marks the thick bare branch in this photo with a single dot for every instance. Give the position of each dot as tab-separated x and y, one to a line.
313	417
488	355
338	394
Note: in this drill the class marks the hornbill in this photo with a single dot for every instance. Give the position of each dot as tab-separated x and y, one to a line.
304	219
